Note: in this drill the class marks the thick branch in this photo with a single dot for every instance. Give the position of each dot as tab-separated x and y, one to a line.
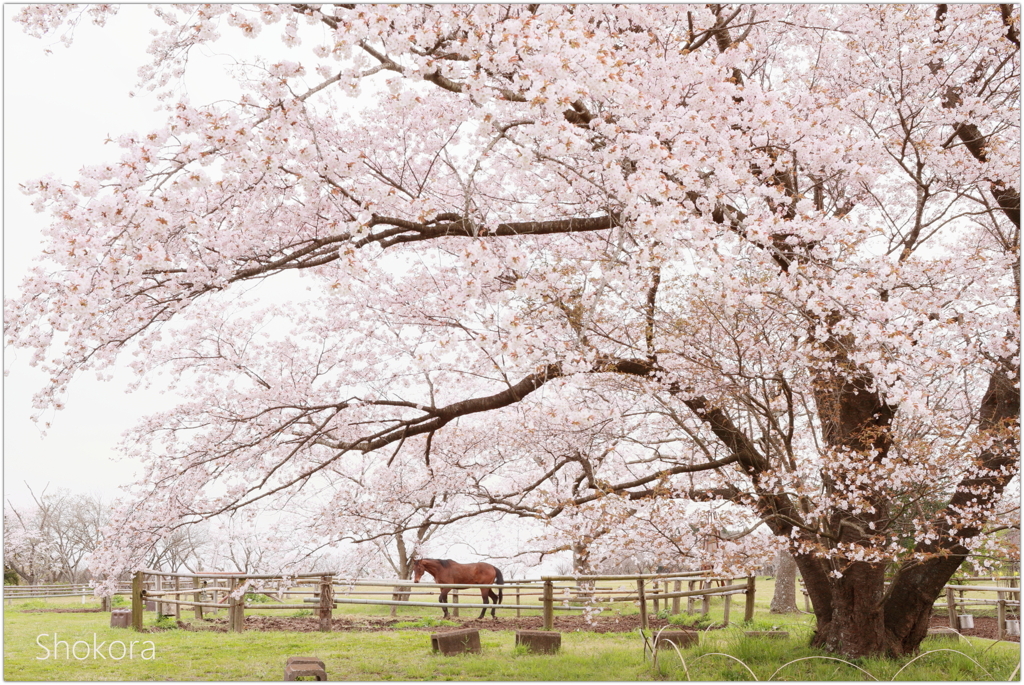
415	232
624	488
918	582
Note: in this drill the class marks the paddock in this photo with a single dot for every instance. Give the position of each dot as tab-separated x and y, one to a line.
171	593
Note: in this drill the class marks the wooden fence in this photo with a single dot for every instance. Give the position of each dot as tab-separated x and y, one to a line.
1006	597
1007	591
168	593
12	592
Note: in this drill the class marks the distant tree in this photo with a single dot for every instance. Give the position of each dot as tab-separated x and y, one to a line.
52	540
181	550
784	597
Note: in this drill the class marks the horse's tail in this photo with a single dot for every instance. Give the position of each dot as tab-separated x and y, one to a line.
499	580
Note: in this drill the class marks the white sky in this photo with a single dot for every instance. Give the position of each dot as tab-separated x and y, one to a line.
58	110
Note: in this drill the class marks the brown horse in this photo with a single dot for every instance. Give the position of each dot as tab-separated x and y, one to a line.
448	571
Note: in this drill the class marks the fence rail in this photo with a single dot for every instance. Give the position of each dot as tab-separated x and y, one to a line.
1007	597
12	592
169	593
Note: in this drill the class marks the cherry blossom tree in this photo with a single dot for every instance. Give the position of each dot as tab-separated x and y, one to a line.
53	539
775	246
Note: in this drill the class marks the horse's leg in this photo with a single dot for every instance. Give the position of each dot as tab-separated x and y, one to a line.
444	601
483	593
494	600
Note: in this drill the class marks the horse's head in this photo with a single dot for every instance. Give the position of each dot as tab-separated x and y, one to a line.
418	569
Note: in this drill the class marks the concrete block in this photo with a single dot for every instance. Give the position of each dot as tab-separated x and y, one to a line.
539	641
456	641
680	638
304	667
121	618
944	634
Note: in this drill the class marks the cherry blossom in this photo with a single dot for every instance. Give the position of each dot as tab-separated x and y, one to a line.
602	268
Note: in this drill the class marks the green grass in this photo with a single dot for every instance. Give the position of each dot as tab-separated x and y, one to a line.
728	655
405	654
398	655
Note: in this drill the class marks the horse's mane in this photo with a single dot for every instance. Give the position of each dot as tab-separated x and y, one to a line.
444	563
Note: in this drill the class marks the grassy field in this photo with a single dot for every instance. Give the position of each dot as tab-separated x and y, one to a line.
30	654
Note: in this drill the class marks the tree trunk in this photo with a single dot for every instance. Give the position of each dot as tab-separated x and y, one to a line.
784	599
855	615
851	621
917	584
581	557
401	594
581	564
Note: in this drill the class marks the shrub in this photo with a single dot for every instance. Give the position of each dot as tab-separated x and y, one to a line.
166	622
256	598
692	621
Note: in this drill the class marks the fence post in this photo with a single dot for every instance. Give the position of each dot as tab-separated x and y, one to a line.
549	605
240	611
725	614
689	600
455	602
326	603
654	596
677	587
165	584
1001	617
232	618
748	615
137	605
236	608
705	600
951	607
197	585
177	598
518	613
643	604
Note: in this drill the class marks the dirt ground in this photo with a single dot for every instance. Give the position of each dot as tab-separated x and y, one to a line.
984	626
564	624
61	611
